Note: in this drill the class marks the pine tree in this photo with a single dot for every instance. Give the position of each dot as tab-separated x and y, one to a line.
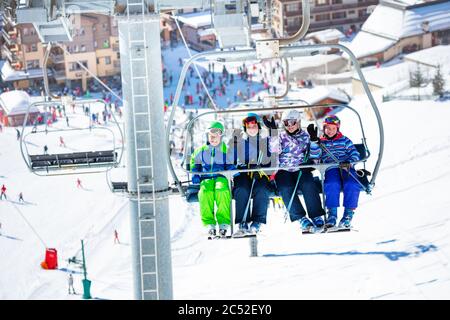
438	82
416	80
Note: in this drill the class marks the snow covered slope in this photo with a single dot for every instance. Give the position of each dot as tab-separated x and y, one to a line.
400	251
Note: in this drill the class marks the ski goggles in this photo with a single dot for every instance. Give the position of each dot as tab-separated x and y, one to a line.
290	122
250	120
215	132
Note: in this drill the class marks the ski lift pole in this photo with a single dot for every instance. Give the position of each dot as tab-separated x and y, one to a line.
86	282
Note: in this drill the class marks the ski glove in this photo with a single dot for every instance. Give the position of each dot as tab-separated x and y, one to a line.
196	179
312	130
345	165
270	124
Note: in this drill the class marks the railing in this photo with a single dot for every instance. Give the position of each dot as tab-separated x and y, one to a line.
334	7
12	57
59	74
57	58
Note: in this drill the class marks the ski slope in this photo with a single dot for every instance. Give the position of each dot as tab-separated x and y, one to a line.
400	250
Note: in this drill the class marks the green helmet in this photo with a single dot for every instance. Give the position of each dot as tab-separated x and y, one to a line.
217	125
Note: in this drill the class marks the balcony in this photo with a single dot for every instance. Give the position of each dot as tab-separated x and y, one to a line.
343	6
115	47
10	55
57	57
59	74
11	36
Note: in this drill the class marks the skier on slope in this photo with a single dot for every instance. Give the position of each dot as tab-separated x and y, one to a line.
337	146
70	282
3	192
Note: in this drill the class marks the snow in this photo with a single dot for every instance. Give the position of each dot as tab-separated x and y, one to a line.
434	56
16	102
365	44
327	35
197	19
400	250
386	25
395	23
317	94
9	74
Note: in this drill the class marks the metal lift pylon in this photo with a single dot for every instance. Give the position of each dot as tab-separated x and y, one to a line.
147	179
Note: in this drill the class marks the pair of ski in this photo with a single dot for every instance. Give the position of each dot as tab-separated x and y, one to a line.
315	230
234	236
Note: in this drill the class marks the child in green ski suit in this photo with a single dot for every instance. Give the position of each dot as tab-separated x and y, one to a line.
214	188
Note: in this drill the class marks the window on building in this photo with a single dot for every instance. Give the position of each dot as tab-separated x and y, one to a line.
33	47
107	60
95	44
105	26
293	22
97	61
292	7
74	66
83	48
323	17
33	64
351	12
339	15
82	32
336	1
25	31
322	2
118	55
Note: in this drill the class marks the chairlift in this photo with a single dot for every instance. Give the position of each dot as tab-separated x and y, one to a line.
284	52
191	190
90	161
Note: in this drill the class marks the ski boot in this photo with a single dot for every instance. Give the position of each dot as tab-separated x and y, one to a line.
318	224
306	225
223	228
212	232
255	227
242	230
331	218
346	221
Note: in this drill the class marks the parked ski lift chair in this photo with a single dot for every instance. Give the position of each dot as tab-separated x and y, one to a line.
74	162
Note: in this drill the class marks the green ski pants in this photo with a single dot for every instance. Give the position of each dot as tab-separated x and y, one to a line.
215	190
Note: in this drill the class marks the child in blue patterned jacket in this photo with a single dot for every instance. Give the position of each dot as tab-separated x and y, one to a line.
336	146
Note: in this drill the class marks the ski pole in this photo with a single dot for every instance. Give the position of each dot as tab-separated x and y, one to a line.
251	189
337	161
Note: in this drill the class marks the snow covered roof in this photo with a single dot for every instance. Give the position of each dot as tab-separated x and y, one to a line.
197	19
434	56
9	74
394	74
316	94
326	35
394	22
365	44
16	102
206	32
